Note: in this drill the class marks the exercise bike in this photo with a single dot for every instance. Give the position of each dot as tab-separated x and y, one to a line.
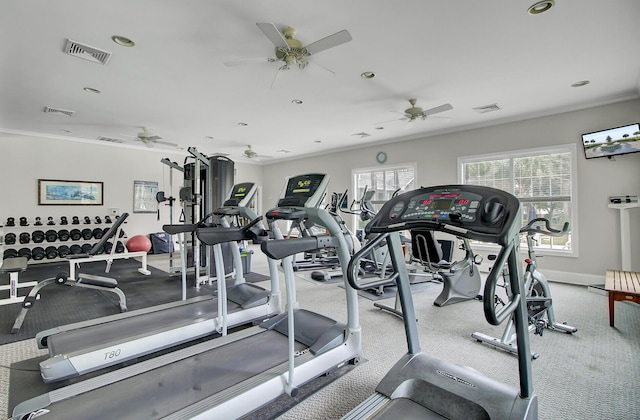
538	296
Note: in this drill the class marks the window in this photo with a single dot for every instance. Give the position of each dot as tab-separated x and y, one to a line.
544	182
384	182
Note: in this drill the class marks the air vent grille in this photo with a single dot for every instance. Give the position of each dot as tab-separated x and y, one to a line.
487	108
110	139
59	111
87	52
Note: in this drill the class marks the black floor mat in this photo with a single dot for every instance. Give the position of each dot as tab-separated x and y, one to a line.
60	305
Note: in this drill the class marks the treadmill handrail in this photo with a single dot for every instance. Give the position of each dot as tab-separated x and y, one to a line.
497	317
354	266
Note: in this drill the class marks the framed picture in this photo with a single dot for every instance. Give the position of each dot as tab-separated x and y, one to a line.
69	193
144	197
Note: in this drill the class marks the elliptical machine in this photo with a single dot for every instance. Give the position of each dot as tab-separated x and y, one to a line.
538	295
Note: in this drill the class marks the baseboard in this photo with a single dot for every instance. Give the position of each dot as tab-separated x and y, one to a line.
580	279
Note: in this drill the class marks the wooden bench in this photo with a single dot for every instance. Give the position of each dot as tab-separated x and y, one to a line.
622	285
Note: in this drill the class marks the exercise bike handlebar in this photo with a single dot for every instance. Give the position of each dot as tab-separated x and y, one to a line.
354	267
497	317
534	227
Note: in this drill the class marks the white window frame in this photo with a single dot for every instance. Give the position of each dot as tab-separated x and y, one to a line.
563	148
380	168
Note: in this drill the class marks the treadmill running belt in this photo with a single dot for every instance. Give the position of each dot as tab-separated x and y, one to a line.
162	391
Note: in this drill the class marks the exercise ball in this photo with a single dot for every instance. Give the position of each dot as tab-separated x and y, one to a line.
139	243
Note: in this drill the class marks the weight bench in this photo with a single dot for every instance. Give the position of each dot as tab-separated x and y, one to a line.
87	281
622	286
94	252
14	266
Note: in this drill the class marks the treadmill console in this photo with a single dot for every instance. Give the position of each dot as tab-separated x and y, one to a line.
241	196
471	211
304	190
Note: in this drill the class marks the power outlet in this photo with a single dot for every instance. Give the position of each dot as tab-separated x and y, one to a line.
114	211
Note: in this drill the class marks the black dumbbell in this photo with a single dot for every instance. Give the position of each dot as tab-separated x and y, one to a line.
23	221
97	233
63	235
87	234
10	238
76	234
98	220
25	252
105	230
86	248
119	248
50	221
121	233
107	247
38	253
75	249
63	251
37	236
11	221
64	220
38	222
10	253
87	220
75	220
107	219
51	235
51	252
25	237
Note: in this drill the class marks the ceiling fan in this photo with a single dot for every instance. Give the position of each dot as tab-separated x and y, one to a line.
415	113
251	154
291	51
150	139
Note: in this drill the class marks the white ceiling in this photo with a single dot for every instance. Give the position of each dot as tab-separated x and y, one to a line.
467	53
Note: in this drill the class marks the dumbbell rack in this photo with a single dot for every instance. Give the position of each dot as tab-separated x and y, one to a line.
44	227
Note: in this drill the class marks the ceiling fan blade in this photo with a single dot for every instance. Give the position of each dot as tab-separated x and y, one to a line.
441	108
320	66
274	35
280	70
249	61
329	42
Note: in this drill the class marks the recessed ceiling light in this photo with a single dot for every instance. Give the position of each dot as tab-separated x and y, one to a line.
297	102
317	141
368	75
580	83
123	41
62	130
541	7
209	137
242	124
380	128
91	90
283	151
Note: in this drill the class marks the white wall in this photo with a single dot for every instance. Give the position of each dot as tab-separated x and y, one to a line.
436	157
25	159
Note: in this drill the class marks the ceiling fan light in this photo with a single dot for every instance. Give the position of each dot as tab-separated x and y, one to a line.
541	7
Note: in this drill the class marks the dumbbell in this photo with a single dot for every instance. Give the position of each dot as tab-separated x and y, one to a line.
100	250
25	252
75	249
63	235
51	252
50	221
86	248
97	233
75	220
107	247
87	234
119	247
98	220
63	251
38	222
10	253
51	235
107	219
75	234
10	238
25	237
121	233
87	220
105	230
37	236
63	220
11	221
38	253
23	221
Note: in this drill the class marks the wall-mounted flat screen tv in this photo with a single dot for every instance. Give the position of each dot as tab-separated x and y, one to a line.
612	141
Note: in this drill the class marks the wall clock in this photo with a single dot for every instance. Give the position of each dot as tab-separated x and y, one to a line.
381	157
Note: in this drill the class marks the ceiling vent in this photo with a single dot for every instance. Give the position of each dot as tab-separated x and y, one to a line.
487	108
59	111
86	52
110	139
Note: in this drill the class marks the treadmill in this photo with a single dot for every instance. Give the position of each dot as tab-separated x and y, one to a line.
420	385
80	348
233	375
